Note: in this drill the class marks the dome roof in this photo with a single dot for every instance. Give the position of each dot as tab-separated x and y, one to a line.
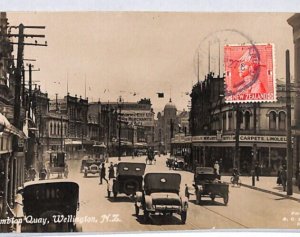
170	105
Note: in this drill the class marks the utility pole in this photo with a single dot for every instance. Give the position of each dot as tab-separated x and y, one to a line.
254	156
17	122
120	114
236	161
61	133
289	125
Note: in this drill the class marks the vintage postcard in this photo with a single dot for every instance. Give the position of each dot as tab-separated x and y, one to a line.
149	121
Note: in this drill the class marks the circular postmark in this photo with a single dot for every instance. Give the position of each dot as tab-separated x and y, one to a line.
244	66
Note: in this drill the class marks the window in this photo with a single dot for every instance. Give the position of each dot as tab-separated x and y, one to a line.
282	120
230	124
54	132
51	131
272	120
58	129
224	122
247	120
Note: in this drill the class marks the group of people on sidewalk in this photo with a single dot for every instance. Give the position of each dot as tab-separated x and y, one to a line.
111	172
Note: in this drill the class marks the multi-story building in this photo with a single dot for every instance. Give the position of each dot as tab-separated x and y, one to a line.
214	133
136	122
76	140
167	127
12	139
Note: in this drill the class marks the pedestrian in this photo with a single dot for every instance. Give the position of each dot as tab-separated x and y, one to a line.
111	171
102	173
217	168
283	176
221	165
257	171
279	182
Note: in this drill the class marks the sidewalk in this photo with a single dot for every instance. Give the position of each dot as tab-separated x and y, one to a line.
267	185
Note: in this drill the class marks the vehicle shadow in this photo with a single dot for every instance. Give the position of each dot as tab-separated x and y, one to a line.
91	176
206	202
159	219
120	199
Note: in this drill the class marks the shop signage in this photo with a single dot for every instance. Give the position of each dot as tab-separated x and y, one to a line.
243	138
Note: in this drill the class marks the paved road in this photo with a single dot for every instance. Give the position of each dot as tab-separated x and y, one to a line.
246	208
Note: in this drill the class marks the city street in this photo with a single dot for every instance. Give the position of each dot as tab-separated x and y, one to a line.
246	208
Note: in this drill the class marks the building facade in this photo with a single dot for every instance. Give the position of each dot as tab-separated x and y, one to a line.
213	136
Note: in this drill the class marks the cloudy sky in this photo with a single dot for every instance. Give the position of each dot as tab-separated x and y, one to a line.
138	54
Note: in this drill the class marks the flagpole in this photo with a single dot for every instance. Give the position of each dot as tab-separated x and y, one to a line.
67	82
85	86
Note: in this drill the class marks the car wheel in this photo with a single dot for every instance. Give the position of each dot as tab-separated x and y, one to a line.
78	228
226	198
212	196
198	199
137	210
130	186
183	217
146	216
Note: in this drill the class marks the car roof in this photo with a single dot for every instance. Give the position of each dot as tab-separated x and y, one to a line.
162	181
205	170
48	181
131	168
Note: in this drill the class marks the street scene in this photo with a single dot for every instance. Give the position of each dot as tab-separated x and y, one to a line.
147	121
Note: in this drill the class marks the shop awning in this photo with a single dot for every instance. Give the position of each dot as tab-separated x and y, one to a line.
9	128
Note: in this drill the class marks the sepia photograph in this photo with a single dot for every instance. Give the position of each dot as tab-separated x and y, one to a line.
126	121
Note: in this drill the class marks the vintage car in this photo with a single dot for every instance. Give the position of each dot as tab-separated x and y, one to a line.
129	179
49	202
57	164
208	183
176	162
91	166
161	195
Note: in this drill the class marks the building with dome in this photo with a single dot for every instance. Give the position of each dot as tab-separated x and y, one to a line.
169	122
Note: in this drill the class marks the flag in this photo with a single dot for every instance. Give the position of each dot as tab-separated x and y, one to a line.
160	95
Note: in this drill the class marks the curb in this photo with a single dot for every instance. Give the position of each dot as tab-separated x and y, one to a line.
270	192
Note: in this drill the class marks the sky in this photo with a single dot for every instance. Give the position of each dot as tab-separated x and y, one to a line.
138	54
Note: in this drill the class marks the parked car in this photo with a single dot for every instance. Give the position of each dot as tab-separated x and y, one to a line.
169	161
176	162
129	179
48	201
208	183
161	195
91	167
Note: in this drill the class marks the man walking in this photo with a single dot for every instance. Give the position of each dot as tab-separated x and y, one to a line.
102	173
257	171
283	175
111	171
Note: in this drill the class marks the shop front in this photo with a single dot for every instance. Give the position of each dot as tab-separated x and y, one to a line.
205	150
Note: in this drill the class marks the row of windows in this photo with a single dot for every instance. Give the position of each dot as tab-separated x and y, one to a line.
276	121
58	129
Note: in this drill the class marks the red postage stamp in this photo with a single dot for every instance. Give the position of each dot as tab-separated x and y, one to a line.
250	74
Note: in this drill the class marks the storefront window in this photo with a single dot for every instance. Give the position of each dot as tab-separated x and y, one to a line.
282	120
272	120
